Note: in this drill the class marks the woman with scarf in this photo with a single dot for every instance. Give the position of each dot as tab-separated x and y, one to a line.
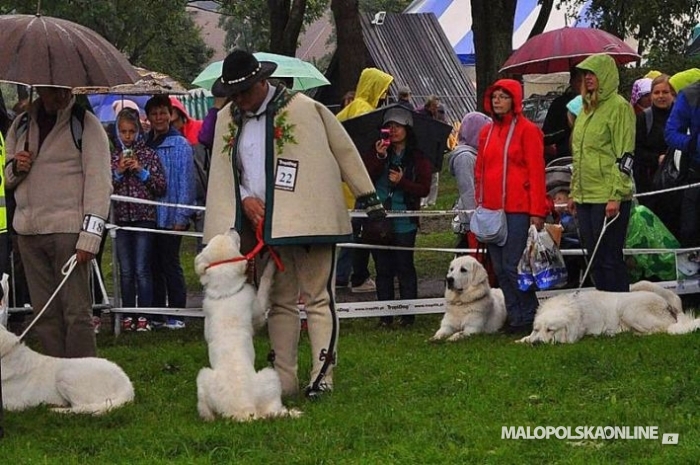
516	186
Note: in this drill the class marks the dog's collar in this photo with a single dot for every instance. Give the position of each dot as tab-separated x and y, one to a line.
230	260
256	250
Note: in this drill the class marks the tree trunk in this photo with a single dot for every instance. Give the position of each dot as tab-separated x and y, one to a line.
286	20
542	18
351	51
493	40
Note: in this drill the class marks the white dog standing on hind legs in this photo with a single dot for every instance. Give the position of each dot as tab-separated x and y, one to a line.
471	306
647	309
75	385
232	388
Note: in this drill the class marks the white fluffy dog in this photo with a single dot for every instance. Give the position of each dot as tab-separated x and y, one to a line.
77	385
232	388
647	309
471	306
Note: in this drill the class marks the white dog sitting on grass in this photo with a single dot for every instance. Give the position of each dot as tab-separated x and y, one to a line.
76	385
232	388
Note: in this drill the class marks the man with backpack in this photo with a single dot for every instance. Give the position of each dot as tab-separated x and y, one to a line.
58	165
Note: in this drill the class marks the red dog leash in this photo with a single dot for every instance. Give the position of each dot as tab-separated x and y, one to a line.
256	250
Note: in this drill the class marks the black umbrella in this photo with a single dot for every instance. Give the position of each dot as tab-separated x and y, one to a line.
431	134
45	51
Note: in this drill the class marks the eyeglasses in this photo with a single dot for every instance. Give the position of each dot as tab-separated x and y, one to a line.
500	97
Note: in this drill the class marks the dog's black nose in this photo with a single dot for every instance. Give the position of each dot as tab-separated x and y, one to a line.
450	282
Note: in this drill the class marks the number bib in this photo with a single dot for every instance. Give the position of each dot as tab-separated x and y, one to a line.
286	174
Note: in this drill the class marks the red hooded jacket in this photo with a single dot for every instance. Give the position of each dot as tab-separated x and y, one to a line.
525	184
190	130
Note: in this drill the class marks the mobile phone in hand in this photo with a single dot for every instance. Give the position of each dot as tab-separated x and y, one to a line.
385	137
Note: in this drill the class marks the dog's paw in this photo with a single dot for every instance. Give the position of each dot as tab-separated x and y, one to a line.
525	340
456	337
294	413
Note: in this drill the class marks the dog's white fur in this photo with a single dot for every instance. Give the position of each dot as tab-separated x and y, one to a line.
471	306
647	309
232	388
76	385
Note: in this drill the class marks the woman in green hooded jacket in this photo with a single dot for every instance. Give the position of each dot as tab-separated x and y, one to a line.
601	186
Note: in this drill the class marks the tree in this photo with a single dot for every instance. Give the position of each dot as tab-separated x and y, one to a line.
268	25
493	39
660	26
157	34
350	53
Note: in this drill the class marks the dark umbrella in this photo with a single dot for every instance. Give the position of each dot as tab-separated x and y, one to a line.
45	51
559	50
431	134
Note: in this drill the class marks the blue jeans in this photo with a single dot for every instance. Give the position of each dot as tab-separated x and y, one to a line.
168	278
520	306
608	270
344	266
359	257
134	252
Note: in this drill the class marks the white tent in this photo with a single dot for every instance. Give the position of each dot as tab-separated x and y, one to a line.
456	20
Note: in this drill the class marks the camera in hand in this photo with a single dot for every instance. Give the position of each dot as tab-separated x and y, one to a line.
127	153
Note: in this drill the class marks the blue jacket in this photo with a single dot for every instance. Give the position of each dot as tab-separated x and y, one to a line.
683	123
176	156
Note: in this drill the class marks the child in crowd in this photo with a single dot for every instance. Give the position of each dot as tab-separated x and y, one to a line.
136	172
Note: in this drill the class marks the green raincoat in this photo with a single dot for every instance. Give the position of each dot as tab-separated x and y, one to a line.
600	138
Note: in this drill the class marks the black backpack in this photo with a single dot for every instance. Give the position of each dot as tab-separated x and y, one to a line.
77	123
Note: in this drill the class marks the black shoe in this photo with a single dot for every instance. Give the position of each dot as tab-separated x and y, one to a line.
315	393
406	320
518	330
386	321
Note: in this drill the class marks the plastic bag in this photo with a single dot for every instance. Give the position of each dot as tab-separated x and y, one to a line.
647	231
525	277
547	262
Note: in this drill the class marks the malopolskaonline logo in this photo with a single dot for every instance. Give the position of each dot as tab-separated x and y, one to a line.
578	433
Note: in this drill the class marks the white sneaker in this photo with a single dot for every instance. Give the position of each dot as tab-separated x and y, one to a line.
96	323
367	286
174	323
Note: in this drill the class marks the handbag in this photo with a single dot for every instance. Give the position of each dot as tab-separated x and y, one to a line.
379	231
668	175
491	226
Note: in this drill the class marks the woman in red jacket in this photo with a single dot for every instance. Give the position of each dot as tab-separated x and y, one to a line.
524	190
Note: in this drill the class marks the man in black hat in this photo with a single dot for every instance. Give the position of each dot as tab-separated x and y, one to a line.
289	156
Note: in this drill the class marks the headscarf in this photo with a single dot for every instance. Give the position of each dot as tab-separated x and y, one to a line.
470	128
640	88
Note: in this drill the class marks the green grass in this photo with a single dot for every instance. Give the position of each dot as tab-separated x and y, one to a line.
398	399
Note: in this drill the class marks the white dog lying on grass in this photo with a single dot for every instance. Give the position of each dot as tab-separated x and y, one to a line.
471	306
77	385
646	309
232	388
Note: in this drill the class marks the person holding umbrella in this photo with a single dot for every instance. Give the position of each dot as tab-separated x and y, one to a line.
509	175
62	193
401	175
601	185
277	165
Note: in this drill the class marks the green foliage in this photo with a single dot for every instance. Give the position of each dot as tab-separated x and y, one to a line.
390	6
155	34
659	25
247	24
398	400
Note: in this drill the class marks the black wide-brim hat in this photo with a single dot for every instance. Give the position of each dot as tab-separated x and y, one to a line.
240	71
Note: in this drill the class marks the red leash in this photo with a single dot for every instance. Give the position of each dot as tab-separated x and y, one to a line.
256	250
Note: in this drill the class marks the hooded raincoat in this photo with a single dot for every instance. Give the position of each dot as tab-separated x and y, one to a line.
525	185
601	136
373	83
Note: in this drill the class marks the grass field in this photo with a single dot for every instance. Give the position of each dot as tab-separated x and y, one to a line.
398	399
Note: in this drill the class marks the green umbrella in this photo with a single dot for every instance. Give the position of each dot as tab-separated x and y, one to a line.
305	75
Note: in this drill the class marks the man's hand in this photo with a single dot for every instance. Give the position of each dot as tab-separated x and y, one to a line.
83	256
23	162
254	210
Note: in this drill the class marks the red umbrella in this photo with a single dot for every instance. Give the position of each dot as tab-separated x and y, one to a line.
558	50
45	51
